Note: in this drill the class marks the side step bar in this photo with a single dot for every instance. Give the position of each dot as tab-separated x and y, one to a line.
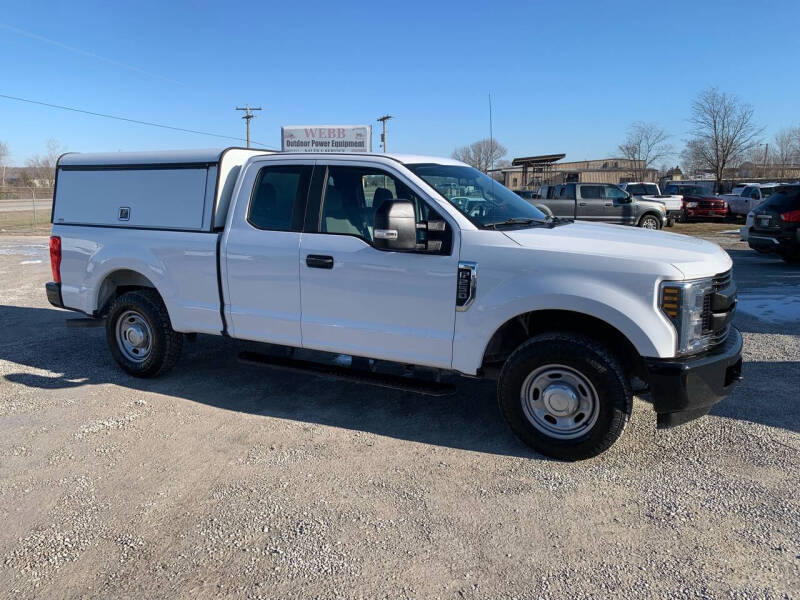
386	380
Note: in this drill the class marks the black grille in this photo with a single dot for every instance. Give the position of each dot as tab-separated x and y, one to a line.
707	320
721	281
718	282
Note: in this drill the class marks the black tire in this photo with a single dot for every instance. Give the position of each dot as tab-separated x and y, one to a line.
650	219
593	362
670	222
145	309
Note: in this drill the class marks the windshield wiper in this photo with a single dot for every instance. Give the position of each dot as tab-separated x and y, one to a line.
512	221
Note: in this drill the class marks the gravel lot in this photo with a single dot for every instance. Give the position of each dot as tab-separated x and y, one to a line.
225	480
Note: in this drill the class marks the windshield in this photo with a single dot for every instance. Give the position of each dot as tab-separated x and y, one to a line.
691	190
766	192
477	196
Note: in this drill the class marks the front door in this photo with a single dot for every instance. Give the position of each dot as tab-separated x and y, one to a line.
360	300
618	206
261	251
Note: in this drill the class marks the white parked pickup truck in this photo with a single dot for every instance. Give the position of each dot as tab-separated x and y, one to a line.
650	191
368	256
748	198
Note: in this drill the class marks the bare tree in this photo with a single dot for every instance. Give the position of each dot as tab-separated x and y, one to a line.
645	145
3	162
692	159
723	130
42	167
481	154
786	149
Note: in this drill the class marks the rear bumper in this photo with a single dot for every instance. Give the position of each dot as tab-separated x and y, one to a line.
684	389
772	242
54	294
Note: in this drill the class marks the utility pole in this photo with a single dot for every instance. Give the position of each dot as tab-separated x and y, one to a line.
383	120
247	116
766	149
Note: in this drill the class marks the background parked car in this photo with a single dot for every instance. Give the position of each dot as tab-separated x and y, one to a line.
698	202
644	190
748	197
603	202
776	224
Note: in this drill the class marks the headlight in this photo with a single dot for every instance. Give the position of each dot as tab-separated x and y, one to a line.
691	205
684	304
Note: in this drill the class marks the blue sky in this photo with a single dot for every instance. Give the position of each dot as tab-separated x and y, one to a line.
564	76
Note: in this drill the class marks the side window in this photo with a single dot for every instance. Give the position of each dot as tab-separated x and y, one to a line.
591	192
754	194
613	192
636	190
746	192
650	189
279	196
567	191
354	194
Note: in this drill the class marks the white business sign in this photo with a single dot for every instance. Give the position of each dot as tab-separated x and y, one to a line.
326	138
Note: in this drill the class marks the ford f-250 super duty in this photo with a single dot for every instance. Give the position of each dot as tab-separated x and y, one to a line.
369	256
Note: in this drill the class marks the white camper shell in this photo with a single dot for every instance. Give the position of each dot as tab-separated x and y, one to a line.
186	190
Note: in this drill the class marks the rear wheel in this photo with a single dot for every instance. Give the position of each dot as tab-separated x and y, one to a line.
140	335
565	396
670	222
650	222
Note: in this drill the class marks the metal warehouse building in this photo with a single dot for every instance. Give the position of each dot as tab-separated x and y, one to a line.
532	171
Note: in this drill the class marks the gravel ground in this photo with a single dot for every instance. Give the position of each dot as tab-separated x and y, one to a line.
225	480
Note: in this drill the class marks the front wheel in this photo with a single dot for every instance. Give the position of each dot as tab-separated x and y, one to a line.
650	222
565	396
140	335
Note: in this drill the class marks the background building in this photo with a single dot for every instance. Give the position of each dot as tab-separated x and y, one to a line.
533	171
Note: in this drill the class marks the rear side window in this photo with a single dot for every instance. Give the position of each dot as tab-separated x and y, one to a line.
783	199
591	192
635	189
278	201
650	189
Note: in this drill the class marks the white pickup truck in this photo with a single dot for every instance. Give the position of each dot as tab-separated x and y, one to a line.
745	198
650	191
368	256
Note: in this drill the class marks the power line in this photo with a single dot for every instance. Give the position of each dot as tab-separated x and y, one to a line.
97	114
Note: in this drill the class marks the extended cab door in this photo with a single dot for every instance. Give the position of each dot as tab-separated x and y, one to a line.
562	203
260	252
590	202
360	300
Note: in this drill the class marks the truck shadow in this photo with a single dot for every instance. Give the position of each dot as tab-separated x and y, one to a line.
209	373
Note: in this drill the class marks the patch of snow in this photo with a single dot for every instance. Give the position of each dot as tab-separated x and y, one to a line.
773	308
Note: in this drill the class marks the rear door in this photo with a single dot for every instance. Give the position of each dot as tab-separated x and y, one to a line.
590	202
562	202
261	249
364	301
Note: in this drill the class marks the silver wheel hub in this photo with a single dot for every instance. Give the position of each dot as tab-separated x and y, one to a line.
559	401
134	337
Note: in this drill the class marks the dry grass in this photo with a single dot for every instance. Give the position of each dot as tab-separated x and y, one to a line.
22	222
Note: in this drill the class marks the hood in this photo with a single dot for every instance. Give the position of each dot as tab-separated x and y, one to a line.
693	257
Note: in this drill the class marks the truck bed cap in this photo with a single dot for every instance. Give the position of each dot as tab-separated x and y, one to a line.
201	156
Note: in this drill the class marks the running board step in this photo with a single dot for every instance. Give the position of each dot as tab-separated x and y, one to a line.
386	380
